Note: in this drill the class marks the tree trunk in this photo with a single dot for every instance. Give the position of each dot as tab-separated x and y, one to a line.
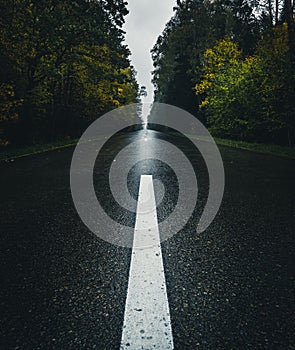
277	12
291	28
270	12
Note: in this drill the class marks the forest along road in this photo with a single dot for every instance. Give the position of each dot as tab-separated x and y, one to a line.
231	287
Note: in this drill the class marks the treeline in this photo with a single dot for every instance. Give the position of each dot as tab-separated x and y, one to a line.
62	64
232	65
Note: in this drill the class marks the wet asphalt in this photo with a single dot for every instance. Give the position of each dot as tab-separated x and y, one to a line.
231	287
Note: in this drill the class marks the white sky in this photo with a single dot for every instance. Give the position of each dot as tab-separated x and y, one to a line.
144	23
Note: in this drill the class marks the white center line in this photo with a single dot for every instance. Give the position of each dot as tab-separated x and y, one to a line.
147	322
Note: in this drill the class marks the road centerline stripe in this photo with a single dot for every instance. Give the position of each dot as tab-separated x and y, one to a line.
147	322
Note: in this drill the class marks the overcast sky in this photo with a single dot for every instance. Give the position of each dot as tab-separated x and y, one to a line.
144	23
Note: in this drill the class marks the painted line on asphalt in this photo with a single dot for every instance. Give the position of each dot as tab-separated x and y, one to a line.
147	322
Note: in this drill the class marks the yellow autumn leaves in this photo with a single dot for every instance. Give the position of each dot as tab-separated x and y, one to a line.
242	95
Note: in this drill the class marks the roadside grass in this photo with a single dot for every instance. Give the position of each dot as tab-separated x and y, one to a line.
9	153
283	151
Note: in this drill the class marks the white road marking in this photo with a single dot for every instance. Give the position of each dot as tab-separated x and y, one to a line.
147	322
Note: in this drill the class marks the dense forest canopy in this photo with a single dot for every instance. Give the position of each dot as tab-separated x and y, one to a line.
63	63
232	64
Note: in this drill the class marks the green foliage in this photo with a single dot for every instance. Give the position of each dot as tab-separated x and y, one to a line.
239	57
228	90
249	98
178	53
67	63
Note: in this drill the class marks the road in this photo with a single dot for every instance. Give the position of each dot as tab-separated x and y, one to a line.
230	287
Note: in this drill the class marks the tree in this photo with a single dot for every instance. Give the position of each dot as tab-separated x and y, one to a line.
228	90
143	91
240	56
66	62
195	26
249	98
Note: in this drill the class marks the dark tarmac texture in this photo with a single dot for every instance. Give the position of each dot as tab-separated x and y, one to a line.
231	287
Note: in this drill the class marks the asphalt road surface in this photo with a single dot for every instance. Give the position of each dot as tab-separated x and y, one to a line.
231	287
